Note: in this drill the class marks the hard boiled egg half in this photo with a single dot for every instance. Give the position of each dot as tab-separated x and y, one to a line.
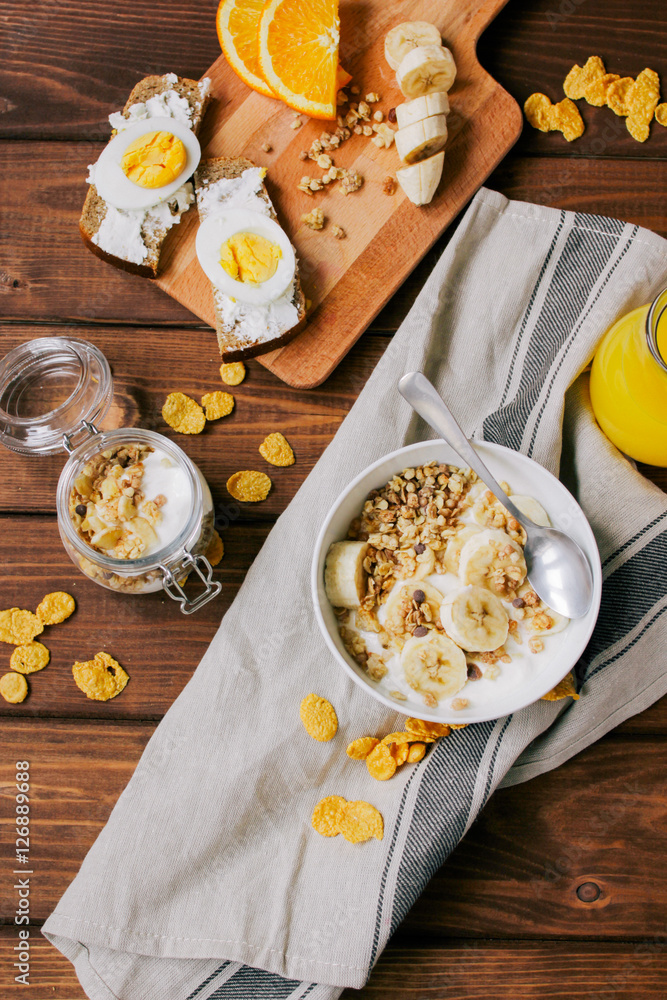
246	255
146	163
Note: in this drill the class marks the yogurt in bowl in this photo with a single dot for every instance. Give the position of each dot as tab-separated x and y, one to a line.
420	590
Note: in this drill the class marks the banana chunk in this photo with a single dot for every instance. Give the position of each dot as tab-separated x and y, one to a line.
344	574
434	665
406	36
454	545
421	140
475	619
426	70
422	107
420	180
532	509
403	603
493	560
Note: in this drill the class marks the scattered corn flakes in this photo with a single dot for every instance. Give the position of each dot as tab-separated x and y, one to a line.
215	550
276	449
427	730
380	763
319	718
547	117
327	815
360	749
249	486
416	752
399	752
617	95
642	100
661	114
19	627
360	821
217	404
596	92
101	678
183	414
13	688
564	689
232	373
30	658
398	738
581	78
55	608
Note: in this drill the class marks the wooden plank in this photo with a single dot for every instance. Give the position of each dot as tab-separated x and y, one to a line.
48	275
596	819
149	363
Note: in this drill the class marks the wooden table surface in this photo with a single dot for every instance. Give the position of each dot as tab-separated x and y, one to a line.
559	890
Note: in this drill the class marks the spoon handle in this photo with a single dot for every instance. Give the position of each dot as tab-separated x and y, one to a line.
424	398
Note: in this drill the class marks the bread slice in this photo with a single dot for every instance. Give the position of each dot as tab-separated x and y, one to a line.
133	240
246	331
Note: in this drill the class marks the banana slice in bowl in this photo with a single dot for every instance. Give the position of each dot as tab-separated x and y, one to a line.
405	599
532	509
434	665
491	559
454	546
475	619
344	574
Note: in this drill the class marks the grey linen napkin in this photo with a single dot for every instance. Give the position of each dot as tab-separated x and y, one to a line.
208	881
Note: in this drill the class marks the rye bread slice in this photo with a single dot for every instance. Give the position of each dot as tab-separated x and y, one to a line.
95	207
234	343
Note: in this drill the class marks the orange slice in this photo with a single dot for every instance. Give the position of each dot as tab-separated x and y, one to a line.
298	53
237	22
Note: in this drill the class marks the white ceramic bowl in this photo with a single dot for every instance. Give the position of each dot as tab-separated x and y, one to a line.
525	476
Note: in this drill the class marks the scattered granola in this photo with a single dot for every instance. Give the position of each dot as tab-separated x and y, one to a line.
30	658
314	220
101	678
276	449
217	404
319	718
13	688
267	147
249	486
389	185
338	232
233	373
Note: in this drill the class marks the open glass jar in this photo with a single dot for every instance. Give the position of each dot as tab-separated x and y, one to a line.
135	513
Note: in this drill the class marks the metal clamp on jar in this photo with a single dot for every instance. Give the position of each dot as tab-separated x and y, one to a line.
53	392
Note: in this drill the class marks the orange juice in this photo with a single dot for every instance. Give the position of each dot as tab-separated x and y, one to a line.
629	383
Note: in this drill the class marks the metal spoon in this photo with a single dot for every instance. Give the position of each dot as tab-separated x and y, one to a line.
558	570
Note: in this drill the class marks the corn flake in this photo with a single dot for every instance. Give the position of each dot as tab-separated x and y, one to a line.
661	114
319	718
360	749
30	658
429	730
617	95
183	414
547	117
596	92
327	815
380	763
399	752
398	738
537	110
249	486
581	77
101	678
564	689
215	550
276	449
233	373
360	821
55	608
642	100
19	627
217	404
13	688
416	752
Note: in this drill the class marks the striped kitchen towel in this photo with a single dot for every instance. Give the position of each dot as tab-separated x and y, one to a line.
208	881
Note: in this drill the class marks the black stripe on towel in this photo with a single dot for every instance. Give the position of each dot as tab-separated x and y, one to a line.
255	984
207	981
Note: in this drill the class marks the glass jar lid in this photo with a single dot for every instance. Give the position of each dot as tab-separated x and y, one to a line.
48	387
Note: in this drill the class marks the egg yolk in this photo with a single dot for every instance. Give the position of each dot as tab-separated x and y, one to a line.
250	258
154	159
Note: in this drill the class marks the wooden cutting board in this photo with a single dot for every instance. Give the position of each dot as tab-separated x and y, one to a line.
348	281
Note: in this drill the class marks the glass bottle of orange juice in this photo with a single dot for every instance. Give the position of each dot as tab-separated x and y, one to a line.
629	383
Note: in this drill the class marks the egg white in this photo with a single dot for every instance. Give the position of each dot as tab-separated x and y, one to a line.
217	229
118	190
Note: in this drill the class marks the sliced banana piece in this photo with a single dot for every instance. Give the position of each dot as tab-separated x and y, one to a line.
532	509
422	107
344	574
421	140
454	546
426	70
420	181
406	36
401	602
434	665
493	560
475	619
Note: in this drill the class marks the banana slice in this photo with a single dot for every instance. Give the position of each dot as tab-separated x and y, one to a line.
406	36
475	619
454	546
421	140
493	560
422	107
532	509
434	665
344	574
420	181
426	70
401	603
